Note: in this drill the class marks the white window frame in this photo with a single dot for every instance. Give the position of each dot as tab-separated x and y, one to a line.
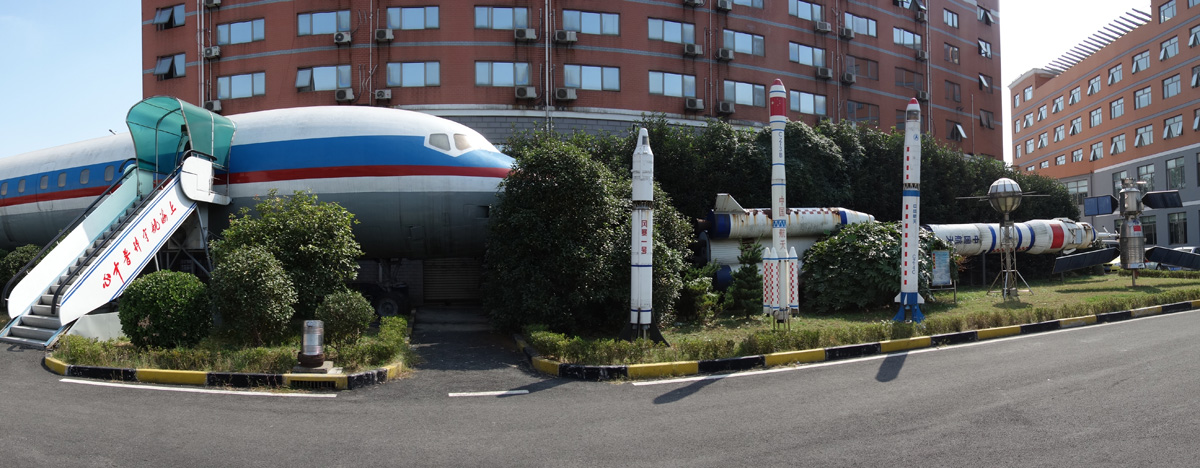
610	77
658	84
1144	136
414	74
226	85
502	74
413	18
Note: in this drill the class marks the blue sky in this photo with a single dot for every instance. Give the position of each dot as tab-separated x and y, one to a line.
73	68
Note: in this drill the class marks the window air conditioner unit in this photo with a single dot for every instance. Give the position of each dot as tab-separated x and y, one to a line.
848	78
922	96
525	92
846	33
693	104
564	94
823	27
563	36
825	73
213	106
384	35
725	107
724	54
525	34
341	38
212	52
922	16
922	55
724	5
383	94
693	50
212	3
343	95
693	3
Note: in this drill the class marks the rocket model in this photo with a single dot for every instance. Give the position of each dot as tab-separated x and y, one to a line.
910	246
780	299
642	255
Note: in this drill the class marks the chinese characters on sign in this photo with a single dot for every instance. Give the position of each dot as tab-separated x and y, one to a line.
150	235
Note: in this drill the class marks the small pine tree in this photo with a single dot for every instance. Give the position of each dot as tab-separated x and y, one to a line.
744	295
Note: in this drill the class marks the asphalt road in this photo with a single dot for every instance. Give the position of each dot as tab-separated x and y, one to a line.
1122	394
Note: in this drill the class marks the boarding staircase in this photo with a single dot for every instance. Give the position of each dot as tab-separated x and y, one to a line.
92	261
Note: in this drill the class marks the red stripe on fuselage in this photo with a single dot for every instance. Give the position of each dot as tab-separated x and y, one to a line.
365	171
52	196
1056	232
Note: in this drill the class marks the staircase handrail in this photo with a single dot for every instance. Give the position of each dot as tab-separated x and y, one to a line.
75	223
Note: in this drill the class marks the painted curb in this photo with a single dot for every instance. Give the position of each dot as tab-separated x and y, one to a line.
684	368
228	379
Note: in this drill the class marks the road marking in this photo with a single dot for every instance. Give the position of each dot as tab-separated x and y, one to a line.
885	356
200	390
499	393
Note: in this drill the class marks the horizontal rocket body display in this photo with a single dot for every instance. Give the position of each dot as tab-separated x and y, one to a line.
1035	236
910	245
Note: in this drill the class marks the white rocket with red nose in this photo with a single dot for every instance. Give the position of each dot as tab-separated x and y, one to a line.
780	299
910	246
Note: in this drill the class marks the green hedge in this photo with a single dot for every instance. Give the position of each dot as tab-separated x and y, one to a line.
165	309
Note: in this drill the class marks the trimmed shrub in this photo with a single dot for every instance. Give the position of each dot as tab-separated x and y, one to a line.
389	345
165	309
347	314
744	296
253	295
12	263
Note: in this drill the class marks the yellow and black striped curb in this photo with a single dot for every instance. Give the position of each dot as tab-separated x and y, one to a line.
680	368
228	379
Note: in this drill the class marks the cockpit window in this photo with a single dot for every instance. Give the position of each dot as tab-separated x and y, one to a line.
462	142
440	141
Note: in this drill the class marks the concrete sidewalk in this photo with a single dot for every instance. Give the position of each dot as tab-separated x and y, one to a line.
461	352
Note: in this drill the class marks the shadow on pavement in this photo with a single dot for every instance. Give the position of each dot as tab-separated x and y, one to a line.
889	369
683	392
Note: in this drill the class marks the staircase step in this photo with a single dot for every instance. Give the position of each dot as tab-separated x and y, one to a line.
43	310
32	333
48	299
41	321
39	344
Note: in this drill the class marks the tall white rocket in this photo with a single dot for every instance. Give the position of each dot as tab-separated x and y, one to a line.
642	243
781	298
910	245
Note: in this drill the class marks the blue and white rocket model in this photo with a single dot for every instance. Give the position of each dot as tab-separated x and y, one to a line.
781	299
910	246
642	242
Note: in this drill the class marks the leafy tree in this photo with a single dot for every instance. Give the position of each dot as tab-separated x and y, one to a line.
165	309
253	295
745	293
346	314
313	241
12	263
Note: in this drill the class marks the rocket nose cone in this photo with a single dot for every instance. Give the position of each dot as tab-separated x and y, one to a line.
913	102
643	145
778	82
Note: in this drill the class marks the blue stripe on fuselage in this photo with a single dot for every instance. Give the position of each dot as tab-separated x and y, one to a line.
370	150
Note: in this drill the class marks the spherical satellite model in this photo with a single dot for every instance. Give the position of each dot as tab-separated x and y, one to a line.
1004	195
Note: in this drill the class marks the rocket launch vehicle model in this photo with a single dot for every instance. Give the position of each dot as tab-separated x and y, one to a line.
910	246
782	300
641	260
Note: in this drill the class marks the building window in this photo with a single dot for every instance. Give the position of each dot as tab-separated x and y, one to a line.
1172	127
1146	173
501	74
592	78
670	31
806	55
169	17
1041	113
1118	145
1016	100
745	93
805	10
414	74
861	112
1017	151
1194	36
1171	87
323	78
1076	126
413	18
1043	140
987	119
950	52
1177	224
1150	229
806	103
1029	120
1116	108
1093	86
1059	133
1196	76
672	84
1114	74
241	86
170	66
1097	151
910	79
1145	136
985	15
955	130
865	68
906	38
1057	105
1030	168
587	22
749	3
1029	146
1169	48
241	33
860	25
501	18
744	43
985	48
327	22
950	18
1095	117
953	92
1166	11
1141	61
1077	155
1141	98
1078	190
985	83
1196	120
1074	97
1118	179
1060	160
1175	173
1017	126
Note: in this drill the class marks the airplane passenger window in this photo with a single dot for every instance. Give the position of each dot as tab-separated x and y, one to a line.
462	142
45	182
440	140
21	186
62	179
83	177
108	174
3	189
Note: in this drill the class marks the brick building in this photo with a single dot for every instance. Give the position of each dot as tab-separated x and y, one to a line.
520	64
1123	104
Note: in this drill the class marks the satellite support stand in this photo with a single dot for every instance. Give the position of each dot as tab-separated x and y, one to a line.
1008	264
